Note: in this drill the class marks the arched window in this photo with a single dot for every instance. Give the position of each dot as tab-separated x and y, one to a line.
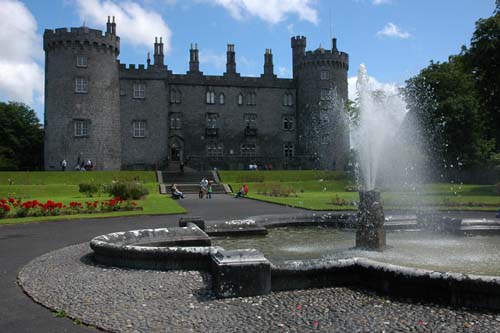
251	99
288	149
287	99
240	99
222	98
210	97
175	96
178	97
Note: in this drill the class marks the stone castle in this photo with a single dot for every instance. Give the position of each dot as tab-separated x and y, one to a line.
146	117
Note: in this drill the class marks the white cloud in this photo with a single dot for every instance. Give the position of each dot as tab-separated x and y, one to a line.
217	60
392	30
388	88
290	28
282	71
135	24
271	11
21	76
381	2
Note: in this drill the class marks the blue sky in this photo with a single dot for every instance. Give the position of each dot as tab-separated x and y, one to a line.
393	38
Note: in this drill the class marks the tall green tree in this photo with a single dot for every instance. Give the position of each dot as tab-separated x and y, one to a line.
482	60
443	101
21	140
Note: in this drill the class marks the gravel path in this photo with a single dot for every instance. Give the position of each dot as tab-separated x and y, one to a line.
182	301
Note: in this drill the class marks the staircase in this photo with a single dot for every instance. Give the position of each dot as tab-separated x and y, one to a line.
188	182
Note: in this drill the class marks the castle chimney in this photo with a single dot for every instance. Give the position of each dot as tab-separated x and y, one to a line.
148	60
194	63
334	45
158	54
231	60
113	27
108	26
268	63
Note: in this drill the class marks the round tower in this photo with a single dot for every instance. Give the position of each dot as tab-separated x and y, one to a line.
322	125
82	100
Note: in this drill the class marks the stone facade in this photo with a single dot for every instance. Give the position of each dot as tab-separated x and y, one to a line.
145	117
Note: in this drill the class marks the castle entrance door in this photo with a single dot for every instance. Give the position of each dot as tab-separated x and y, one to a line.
175	153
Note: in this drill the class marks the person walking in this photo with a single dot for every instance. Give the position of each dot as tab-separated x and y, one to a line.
63	165
209	190
203	188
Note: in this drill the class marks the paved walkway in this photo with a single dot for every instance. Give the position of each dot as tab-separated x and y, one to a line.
21	243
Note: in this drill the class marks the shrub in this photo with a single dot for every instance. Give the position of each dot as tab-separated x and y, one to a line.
127	190
89	189
338	201
4	209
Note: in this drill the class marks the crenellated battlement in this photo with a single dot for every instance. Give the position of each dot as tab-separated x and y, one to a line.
322	57
80	37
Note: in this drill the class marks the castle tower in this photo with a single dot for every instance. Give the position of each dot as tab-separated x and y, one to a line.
82	102
194	62
321	80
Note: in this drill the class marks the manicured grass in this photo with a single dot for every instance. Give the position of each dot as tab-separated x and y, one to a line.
64	188
328	192
73	177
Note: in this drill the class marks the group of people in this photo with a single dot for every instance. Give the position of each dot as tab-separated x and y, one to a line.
83	166
205	189
254	167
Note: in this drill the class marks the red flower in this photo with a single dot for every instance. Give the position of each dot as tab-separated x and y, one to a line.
3	201
11	200
5	207
133	203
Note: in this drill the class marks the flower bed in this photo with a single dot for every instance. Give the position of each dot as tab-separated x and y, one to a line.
11	207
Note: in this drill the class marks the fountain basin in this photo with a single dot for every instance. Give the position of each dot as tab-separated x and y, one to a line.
426	284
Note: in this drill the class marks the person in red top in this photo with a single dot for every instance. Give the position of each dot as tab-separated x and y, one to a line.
243	191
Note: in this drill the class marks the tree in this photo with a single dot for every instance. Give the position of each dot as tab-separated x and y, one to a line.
442	99
21	144
482	60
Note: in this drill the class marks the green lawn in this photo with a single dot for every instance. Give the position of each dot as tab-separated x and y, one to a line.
63	187
323	190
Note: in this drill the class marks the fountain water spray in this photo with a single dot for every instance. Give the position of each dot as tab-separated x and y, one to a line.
375	137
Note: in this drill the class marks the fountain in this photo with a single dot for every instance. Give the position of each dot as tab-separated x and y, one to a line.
370	234
244	265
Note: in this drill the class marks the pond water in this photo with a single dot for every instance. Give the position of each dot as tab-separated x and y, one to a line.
446	253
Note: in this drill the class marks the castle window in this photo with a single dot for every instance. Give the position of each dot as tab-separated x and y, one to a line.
139	90
222	98
240	99
248	149
81	61
212	120
287	99
288	123
215	149
81	127
175	121
175	96
251	99
325	94
288	149
325	75
81	85
210	97
139	128
250	120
